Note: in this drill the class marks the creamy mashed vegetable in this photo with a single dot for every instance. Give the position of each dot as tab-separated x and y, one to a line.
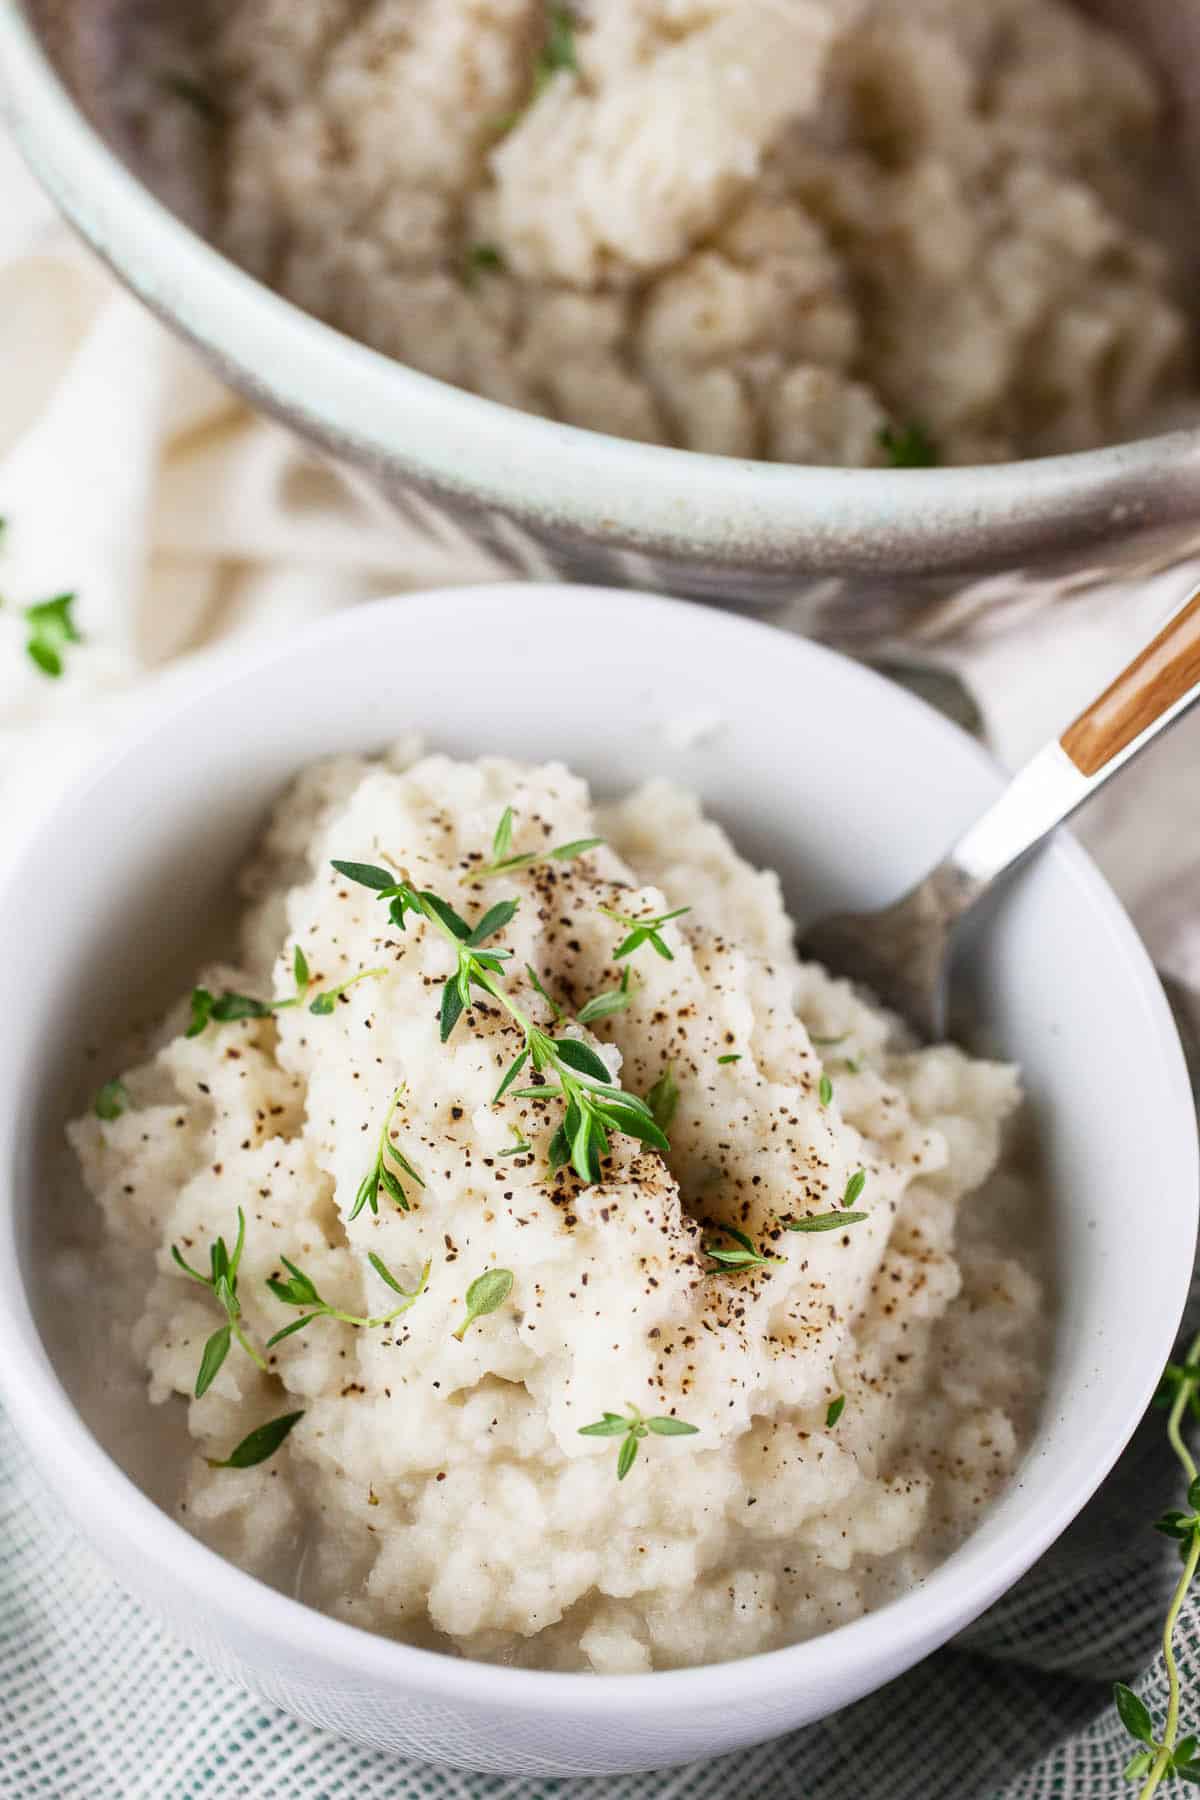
765	228
438	1488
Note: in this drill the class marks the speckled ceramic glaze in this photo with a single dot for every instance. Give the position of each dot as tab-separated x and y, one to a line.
1058	977
547	499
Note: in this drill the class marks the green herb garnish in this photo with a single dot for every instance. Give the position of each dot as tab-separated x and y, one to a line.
221	1009
258	1444
51	629
825	1090
221	1282
518	1147
833	1411
644	931
745	1256
734	1056
558	50
486	1293
909	446
481	259
830	1221
1159	1759
535	983
112	1100
505	863
631	1428
300	1290
208	1008
381	1173
854	1187
663	1099
595	1105
614	1000
328	998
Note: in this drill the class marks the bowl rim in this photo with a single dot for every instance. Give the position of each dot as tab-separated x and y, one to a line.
620	494
54	1432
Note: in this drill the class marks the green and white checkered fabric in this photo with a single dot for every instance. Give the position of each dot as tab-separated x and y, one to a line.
98	1703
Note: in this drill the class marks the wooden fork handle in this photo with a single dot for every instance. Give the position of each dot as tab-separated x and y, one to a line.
1155	681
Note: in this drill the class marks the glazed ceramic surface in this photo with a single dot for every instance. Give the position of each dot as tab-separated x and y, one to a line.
546	500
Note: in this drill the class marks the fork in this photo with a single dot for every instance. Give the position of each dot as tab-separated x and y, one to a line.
901	952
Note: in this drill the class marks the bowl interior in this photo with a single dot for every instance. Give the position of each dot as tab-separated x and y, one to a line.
846	785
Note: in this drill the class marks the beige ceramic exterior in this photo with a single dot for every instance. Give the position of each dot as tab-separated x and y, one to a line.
546	499
1058	974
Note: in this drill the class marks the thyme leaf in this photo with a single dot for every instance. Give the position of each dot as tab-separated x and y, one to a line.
111	1100
603	1006
485	1295
631	1428
51	629
663	1099
745	1255
258	1444
909	446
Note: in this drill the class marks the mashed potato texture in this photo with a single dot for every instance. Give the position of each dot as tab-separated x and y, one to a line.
440	1490
762	228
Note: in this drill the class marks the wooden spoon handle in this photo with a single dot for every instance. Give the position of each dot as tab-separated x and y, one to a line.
1156	680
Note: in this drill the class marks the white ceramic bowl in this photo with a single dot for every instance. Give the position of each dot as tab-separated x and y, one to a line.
547	499
849	787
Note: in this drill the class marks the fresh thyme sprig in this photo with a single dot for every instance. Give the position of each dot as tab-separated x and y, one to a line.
1169	1755
300	1290
381	1174
221	1282
486	1294
647	930
595	1104
505	863
111	1100
258	1444
221	1009
631	1428
745	1256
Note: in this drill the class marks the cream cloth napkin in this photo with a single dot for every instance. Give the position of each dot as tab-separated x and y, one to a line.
183	521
